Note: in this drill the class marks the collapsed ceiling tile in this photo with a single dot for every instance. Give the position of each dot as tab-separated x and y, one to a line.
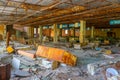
32	1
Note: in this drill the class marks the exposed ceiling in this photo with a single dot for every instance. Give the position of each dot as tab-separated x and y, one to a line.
45	12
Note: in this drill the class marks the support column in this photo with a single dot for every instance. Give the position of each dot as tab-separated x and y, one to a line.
5	32
55	38
60	30
37	32
17	33
92	32
31	32
40	33
82	31
8	39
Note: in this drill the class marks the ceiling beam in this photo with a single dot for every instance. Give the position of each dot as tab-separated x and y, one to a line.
42	9
69	15
78	17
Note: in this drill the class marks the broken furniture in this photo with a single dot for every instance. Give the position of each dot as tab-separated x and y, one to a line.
5	70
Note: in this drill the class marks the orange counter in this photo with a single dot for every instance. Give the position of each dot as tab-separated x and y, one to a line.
57	55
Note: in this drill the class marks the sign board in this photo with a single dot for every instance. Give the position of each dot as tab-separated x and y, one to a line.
114	22
45	27
71	25
64	26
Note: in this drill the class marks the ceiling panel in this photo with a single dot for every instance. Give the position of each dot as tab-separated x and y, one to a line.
4	0
4	14
46	2
32	1
18	0
9	8
1	7
21	10
13	4
62	6
114	1
7	11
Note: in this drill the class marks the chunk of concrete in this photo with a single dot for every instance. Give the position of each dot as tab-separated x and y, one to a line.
21	73
77	46
15	63
46	63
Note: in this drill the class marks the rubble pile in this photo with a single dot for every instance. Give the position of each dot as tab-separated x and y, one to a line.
89	65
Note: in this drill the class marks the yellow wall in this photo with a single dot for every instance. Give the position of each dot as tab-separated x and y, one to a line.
1	29
97	32
88	33
100	33
117	31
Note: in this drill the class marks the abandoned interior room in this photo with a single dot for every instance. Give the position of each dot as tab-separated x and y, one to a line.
59	39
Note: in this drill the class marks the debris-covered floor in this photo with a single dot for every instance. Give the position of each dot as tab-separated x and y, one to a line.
89	66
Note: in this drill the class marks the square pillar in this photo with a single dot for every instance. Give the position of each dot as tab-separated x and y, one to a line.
92	32
18	33
5	32
82	31
31	32
40	33
37	32
8	39
55	38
